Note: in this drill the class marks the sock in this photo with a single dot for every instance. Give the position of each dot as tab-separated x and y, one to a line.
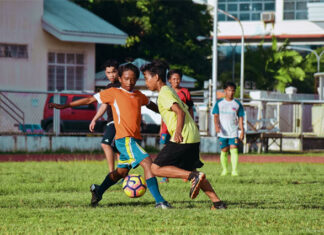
154	189
234	159
223	160
105	185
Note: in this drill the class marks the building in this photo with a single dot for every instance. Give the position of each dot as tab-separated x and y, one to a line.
47	45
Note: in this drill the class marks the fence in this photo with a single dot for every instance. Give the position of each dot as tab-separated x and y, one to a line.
26	113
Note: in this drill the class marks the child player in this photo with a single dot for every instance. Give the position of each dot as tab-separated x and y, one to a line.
108	143
174	77
228	116
180	157
126	106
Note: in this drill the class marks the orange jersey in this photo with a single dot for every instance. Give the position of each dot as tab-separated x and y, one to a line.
126	108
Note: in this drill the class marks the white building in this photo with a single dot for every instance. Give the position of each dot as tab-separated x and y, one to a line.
46	45
300	21
50	44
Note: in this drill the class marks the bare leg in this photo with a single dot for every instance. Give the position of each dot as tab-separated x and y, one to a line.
209	191
109	153
170	171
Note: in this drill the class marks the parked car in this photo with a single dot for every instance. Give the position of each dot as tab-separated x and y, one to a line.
75	119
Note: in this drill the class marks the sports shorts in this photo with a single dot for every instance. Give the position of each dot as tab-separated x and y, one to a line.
131	152
226	142
184	156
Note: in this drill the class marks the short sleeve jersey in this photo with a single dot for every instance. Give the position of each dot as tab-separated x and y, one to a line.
126	108
228	112
167	97
185	97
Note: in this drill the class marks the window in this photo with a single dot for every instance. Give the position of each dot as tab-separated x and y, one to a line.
65	71
245	10
13	51
297	9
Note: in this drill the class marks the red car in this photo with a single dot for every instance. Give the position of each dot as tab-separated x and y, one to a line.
75	119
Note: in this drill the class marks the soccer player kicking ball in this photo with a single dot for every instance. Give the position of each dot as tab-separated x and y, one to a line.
126	106
228	116
180	157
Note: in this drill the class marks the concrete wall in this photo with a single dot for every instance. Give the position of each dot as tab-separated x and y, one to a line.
52	143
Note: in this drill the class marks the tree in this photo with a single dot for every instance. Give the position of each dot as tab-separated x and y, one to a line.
158	29
273	68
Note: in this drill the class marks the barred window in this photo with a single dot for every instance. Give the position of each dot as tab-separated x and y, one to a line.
65	71
13	51
245	10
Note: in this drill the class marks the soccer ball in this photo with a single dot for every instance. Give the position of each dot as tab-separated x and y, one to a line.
134	186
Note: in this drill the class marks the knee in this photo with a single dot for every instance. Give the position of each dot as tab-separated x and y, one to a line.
154	168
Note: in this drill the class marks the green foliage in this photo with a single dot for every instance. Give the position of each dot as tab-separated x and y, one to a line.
54	197
158	29
273	67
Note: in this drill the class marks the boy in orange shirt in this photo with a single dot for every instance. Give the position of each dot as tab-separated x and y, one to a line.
126	106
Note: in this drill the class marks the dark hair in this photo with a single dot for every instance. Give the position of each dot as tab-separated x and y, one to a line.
229	84
158	67
174	71
127	67
110	63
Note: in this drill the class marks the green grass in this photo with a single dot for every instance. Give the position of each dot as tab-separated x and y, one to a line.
53	197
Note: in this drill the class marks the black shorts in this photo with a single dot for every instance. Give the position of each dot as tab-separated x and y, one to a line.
109	135
184	156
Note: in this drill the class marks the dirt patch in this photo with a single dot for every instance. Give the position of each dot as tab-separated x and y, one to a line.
73	157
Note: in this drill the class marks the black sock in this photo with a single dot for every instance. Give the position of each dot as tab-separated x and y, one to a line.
105	185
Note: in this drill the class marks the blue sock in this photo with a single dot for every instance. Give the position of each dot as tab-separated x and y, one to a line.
154	189
105	185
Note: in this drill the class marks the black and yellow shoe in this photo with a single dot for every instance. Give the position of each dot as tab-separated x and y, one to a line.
218	205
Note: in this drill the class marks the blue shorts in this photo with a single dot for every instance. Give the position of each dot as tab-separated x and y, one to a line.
165	138
131	152
226	142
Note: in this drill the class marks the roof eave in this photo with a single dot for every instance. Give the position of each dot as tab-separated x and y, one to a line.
84	36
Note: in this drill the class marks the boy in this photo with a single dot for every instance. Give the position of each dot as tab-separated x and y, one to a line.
228	116
126	104
180	157
107	143
174	77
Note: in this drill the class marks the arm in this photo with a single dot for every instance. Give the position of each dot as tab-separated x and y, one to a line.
80	102
180	122
191	113
241	127
152	106
216	122
99	114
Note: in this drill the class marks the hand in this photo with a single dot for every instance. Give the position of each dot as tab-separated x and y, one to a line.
178	137
242	136
92	125
57	106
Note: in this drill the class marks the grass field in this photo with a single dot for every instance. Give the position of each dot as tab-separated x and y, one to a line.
53	197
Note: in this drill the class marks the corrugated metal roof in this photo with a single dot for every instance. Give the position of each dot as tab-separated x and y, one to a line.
101	80
69	22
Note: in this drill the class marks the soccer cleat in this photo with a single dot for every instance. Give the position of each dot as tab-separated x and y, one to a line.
195	178
163	205
218	205
234	173
164	180
224	172
95	197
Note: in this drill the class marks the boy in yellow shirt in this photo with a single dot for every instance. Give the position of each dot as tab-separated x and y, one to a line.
180	157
